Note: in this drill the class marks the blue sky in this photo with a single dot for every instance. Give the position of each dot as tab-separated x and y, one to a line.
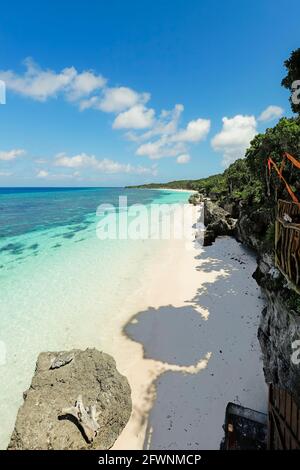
122	92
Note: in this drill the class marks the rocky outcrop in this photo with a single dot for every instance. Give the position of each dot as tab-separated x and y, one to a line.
60	381
195	199
217	222
252	225
279	328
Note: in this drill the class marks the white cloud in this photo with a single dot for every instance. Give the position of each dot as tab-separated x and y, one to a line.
158	137
40	84
161	148
165	125
184	158
195	131
57	176
172	142
92	102
42	174
137	117
118	99
77	161
104	165
115	100
84	84
271	112
11	154
6	173
235	137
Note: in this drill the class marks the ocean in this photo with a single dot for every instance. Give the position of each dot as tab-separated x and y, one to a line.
60	285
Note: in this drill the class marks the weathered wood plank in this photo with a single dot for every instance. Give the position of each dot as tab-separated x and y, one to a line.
287	241
284	420
294	418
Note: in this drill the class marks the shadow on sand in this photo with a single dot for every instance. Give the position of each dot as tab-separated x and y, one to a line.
189	408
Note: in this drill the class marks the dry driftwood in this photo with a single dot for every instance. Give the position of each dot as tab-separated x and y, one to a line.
61	360
86	417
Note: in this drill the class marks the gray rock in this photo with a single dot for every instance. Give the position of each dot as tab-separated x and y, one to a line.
92	374
195	199
252	225
279	328
217	222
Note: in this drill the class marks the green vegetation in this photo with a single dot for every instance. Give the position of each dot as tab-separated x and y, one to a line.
204	185
248	179
293	74
181	184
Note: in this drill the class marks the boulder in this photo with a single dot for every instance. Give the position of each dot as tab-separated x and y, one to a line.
195	199
63	380
217	222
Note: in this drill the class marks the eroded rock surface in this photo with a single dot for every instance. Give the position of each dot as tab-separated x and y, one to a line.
40	423
217	221
279	330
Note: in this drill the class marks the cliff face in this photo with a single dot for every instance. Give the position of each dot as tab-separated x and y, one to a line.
280	320
279	328
252	225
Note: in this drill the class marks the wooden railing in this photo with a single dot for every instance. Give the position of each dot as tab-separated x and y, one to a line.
287	241
284	420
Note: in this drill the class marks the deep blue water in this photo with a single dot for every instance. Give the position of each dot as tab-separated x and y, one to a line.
24	210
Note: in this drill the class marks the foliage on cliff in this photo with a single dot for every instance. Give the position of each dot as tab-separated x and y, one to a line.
248	179
180	184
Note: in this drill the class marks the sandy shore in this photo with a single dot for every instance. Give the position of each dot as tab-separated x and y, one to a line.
171	190
190	345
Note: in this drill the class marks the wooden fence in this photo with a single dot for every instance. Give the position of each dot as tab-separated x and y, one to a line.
284	420
287	241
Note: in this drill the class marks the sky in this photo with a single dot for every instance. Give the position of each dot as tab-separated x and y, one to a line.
123	92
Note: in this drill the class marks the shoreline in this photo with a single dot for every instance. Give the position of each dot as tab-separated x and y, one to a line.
167	323
70	275
192	191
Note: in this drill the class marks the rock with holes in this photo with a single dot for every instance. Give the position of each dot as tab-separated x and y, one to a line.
60	380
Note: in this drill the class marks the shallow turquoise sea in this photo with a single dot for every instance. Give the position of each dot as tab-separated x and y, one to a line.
59	283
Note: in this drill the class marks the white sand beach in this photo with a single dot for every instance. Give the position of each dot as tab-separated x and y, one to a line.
171	189
191	346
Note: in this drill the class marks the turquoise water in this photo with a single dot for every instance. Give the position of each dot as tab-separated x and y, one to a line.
60	286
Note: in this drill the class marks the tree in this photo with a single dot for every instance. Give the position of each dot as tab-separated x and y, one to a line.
293	68
284	137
